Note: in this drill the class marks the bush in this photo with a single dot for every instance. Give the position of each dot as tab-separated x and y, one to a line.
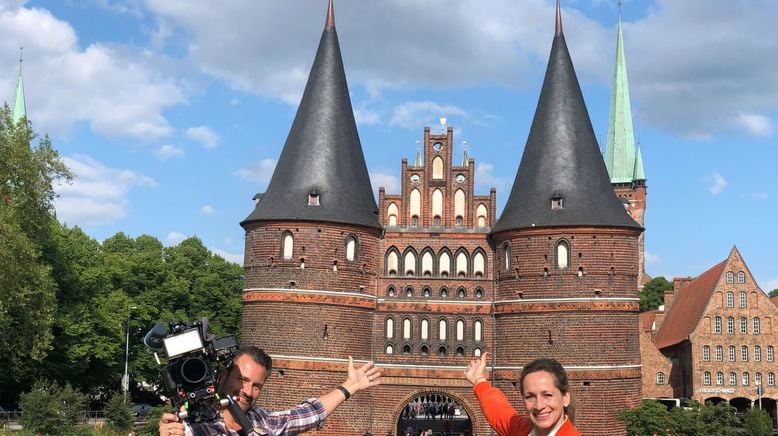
758	423
119	414
48	409
152	424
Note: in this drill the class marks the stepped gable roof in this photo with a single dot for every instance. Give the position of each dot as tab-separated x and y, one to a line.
322	154
562	158
688	306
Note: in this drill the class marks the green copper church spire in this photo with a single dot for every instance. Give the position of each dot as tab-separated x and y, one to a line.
620	155
19	109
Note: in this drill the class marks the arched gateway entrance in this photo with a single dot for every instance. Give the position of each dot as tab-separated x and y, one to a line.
441	412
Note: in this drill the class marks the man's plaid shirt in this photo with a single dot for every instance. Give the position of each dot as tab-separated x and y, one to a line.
308	415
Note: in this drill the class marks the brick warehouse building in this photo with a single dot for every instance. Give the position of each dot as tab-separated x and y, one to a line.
429	277
713	340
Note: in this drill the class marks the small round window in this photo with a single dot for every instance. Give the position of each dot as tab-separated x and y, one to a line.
460	178
414	177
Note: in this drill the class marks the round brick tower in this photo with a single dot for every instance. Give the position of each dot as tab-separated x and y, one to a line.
566	260
311	250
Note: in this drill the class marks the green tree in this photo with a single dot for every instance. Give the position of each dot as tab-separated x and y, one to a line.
649	418
758	423
119	413
48	409
652	295
773	293
719	420
27	289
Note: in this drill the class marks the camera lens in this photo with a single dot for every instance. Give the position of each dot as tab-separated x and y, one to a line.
194	370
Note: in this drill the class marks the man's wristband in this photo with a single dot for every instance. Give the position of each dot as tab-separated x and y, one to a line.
345	391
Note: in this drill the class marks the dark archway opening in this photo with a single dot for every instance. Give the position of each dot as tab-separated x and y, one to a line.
436	414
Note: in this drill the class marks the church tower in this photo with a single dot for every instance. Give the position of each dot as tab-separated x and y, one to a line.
311	248
19	108
566	260
623	160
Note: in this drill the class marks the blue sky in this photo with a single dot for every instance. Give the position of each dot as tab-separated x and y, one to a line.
172	113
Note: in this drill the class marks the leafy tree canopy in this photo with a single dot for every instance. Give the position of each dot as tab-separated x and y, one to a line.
773	293
652	295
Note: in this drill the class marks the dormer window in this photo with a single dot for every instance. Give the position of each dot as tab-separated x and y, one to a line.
557	202
313	197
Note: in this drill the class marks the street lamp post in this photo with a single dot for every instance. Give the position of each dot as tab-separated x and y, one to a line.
759	394
126	378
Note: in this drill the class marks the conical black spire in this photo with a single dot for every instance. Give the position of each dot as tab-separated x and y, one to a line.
322	156
562	179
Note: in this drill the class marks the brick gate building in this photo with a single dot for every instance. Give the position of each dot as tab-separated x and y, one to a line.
428	278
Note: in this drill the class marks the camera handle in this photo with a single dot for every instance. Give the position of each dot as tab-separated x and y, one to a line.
240	416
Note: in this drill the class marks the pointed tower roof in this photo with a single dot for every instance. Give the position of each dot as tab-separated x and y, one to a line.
465	157
419	161
561	159
19	108
620	147
322	156
639	173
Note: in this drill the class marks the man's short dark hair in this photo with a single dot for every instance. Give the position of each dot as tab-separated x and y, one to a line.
256	354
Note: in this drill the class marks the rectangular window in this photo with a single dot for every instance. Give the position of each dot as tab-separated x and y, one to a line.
730	299
769	353
719	353
731	325
732	379
757	326
717	325
720	378
743	300
744	353
731	353
743	325
706	353
746	379
706	378
757	354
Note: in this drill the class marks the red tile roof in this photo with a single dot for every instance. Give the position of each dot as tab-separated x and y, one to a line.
647	320
775	300
687	308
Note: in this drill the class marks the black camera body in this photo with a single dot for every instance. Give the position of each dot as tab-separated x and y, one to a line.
194	359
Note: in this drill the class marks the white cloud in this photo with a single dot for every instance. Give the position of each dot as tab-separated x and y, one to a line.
204	135
114	89
416	114
168	151
651	258
755	124
366	117
175	238
232	257
260	172
98	194
485	178
769	285
718	183
388	180
207	210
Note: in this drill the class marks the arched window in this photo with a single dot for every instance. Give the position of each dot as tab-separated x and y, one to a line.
461	293
757	378
719	378
459	206
746	379
460	352
770	353
461	264
437	168
425	292
757	326
287	245
409	291
562	254
444	264
660	378
743	299
771	379
392	213
706	353
744	353
406	328
479	293
706	378
409	263
424	350
730	325
480	212
743	325
730	299
351	248
437	206
442	327
732	379
406	349
730	277
506	256
425	329
426	264
757	353
477	352
719	353
717	325
389	329
389	349
415	206
392	261
391	292
731	353
442	351
741	277
479	265
443	292
460	330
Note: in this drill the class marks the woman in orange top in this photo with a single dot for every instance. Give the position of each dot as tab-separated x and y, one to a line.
545	392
